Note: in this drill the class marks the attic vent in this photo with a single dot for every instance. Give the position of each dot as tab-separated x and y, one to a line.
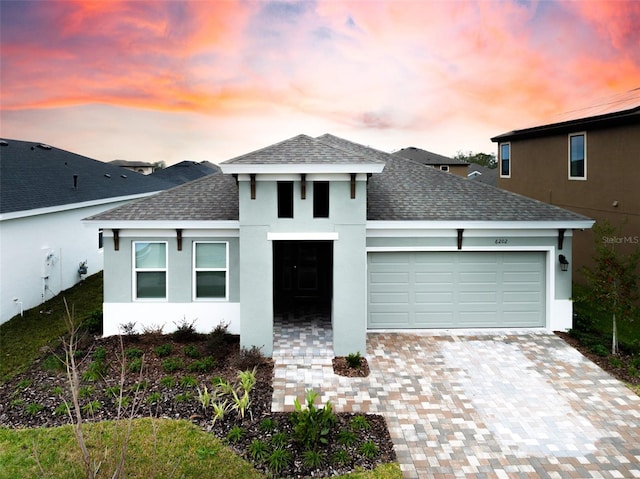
44	147
3	143
123	176
107	175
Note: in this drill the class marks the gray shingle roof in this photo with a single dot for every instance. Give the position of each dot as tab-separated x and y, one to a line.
428	157
186	171
33	175
210	198
301	149
405	190
410	191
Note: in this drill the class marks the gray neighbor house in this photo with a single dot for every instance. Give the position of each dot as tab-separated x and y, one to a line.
379	241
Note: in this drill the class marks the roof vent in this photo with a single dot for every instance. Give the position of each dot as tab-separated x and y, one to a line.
3	143
107	175
123	176
44	147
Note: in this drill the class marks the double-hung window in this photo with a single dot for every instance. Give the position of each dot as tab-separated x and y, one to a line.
578	156
505	160
150	270
210	270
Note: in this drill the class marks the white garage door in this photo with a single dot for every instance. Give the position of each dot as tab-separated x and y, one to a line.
456	289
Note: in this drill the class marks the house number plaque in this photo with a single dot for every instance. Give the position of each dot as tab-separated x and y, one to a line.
501	241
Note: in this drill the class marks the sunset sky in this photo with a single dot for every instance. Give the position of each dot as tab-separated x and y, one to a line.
209	80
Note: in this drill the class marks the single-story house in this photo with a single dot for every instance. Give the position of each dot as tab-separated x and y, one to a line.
386	242
45	192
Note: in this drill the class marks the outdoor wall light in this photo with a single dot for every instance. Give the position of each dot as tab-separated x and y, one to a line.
564	264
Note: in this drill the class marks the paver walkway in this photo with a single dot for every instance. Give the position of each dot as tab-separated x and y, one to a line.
473	404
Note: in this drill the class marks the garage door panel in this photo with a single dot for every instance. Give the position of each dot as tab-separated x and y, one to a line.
456	289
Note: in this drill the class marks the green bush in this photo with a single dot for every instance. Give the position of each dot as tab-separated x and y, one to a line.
191	351
171	365
185	331
204	365
354	360
311	425
163	350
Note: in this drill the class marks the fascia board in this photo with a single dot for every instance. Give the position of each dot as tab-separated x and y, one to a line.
168	225
73	206
305	168
477	225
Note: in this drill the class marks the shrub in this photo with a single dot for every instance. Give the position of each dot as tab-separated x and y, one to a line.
600	350
154	329
279	440
216	341
268	425
133	353
135	365
163	350
154	397
183	397
95	371
171	365
53	363
354	360
247	358
33	408
312	459
85	392
369	449
235	434
61	409
204	365
188	381
258	450
168	381
191	351
129	329
346	437
341	457
312	425
92	407
278	460
185	331
359	422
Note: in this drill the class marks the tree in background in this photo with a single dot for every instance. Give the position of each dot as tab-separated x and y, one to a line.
482	159
613	280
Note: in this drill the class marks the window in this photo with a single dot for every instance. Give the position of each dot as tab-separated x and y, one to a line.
578	156
285	199
100	239
505	160
150	270
210	270
444	168
320	199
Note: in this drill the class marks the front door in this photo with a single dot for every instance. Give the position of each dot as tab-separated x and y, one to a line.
302	273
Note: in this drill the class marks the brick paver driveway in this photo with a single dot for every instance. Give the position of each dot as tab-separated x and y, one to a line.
475	404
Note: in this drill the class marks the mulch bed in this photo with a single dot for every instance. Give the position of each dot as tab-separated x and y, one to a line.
34	398
341	367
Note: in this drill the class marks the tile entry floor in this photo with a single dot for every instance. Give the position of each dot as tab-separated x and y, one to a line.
472	404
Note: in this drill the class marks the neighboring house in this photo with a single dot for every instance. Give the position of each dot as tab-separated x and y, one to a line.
588	165
45	192
434	160
383	242
141	167
483	174
186	171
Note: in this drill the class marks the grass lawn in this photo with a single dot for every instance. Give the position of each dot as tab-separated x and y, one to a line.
22	339
160	448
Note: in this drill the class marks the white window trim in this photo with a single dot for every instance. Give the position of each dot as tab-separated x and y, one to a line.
134	281
500	159
196	270
576	178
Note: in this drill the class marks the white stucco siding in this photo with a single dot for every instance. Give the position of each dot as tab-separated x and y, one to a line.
152	315
40	255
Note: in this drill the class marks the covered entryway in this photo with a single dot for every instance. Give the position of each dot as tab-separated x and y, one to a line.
302	276
456	289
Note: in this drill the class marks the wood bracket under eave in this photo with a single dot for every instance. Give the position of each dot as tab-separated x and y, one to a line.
116	240
253	185
179	238
460	231
561	238
353	186
303	186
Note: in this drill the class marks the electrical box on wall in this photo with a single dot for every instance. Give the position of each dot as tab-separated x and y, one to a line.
48	262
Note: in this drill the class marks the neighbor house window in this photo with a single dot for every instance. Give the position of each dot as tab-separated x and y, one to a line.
320	199
100	239
285	199
150	270
444	168
505	160
210	270
578	156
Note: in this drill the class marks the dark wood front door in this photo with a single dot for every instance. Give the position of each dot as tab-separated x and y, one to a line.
302	271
